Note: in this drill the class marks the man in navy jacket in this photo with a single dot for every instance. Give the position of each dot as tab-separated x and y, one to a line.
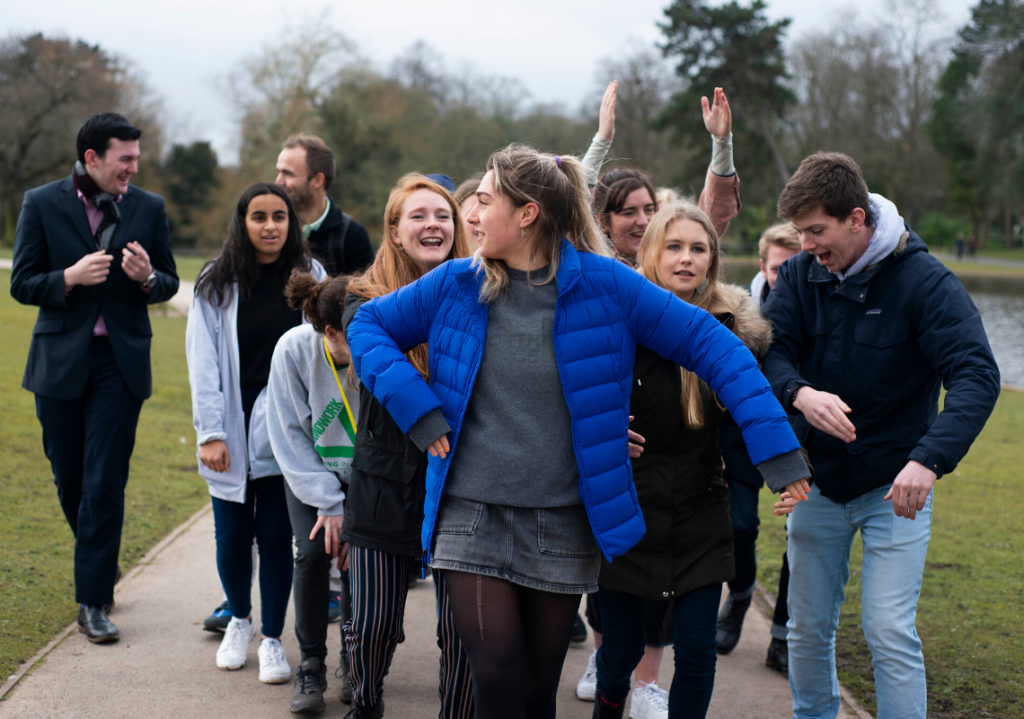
92	253
868	326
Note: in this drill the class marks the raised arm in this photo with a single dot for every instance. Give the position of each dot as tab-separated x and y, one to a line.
602	142
162	260
697	342
720	198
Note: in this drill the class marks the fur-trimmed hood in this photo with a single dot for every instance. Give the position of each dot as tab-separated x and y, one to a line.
735	308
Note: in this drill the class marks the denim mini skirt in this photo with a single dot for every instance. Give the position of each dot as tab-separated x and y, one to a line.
549	548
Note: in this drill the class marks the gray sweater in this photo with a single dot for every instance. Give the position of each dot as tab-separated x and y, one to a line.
515	446
307	417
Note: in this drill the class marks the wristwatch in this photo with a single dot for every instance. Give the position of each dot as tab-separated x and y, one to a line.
150	281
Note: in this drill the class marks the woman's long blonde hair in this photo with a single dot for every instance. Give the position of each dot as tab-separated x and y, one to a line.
695	392
392	268
558	186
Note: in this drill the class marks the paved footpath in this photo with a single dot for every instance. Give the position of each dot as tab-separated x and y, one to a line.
163	666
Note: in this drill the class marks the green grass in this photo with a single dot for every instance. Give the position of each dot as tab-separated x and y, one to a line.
971	612
36	545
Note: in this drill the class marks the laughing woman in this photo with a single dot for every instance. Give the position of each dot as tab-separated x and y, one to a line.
237	315
526	412
384	507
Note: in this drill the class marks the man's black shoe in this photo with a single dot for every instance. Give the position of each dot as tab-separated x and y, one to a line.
730	623
358	712
778	656
579	631
310	683
93	623
604	710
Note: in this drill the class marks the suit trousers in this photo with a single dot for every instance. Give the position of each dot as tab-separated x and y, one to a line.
89	442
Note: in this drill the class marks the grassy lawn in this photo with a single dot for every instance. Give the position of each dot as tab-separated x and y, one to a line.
971	613
36	545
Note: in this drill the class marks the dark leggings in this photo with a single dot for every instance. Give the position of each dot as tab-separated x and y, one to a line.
695	615
516	639
263	515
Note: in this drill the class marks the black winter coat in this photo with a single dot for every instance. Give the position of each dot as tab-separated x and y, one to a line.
343	247
678	478
387	485
884	341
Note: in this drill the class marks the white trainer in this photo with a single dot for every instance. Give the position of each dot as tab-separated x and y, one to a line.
233	648
586	687
274	667
649	702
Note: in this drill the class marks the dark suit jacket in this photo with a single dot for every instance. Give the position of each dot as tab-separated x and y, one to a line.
340	253
52	235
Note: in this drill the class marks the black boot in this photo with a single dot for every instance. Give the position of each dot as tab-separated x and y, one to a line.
93	623
604	710
310	683
374	712
730	623
778	656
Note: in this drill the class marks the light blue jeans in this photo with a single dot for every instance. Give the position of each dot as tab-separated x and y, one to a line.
821	533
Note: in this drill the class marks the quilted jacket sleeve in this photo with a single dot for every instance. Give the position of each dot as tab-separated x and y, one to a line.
382	330
699	343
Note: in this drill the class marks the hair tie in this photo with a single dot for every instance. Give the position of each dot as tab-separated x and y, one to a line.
558	161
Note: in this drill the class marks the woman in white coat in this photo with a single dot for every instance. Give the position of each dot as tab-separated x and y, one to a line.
237	315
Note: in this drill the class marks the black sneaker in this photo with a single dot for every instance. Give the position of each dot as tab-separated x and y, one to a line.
358	712
310	683
778	656
219	620
334	607
730	623
579	631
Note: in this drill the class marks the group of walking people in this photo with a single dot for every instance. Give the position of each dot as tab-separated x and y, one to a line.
540	388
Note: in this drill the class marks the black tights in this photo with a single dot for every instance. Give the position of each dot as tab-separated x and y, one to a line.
516	639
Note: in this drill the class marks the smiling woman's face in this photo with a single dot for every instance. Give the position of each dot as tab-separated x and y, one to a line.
685	258
627	226
426	229
266	221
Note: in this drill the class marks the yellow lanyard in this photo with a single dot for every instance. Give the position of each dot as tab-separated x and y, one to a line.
348	410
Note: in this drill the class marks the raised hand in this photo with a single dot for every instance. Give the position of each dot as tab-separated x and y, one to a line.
717	117
606	121
136	262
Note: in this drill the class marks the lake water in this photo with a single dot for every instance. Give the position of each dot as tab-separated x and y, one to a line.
1000	302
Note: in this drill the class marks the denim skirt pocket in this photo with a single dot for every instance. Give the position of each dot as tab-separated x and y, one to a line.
565	532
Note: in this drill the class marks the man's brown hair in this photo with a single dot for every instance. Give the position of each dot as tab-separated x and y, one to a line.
829	180
319	157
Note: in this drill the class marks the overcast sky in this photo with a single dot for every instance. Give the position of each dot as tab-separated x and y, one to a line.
183	47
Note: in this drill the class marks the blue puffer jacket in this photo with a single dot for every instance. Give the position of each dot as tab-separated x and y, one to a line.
604	310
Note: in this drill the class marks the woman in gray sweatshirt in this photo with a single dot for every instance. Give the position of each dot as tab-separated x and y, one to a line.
311	413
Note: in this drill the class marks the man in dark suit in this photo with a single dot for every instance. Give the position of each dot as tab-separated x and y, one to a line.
92	253
305	169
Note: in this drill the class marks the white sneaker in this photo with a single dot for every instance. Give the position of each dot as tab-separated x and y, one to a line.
231	654
586	687
649	702
274	668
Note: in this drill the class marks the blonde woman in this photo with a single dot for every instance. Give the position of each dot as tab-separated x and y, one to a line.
687	552
526	411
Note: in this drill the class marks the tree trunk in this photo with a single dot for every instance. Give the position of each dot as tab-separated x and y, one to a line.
1008	227
780	163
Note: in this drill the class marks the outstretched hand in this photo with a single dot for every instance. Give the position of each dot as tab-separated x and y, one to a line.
717	117
606	121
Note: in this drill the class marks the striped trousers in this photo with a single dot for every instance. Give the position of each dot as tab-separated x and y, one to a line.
379	584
